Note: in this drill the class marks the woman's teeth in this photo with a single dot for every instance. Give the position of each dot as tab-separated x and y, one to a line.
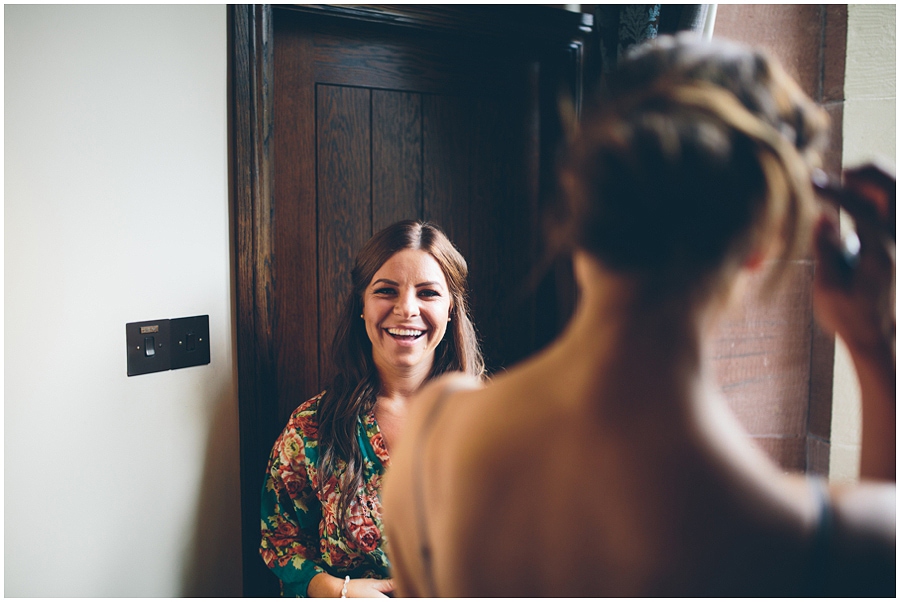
404	332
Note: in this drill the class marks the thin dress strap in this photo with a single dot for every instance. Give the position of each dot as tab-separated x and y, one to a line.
419	489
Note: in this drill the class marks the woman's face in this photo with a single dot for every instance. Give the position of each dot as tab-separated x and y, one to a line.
406	308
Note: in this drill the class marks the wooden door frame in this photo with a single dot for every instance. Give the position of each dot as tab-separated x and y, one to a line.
252	161
252	120
251	71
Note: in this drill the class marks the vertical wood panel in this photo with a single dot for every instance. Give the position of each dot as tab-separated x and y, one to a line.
501	232
446	155
344	198
490	282
396	157
296	238
556	297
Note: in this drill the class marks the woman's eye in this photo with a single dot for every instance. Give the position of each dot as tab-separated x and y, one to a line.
429	293
384	291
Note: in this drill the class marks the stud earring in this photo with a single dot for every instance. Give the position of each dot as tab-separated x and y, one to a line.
360	315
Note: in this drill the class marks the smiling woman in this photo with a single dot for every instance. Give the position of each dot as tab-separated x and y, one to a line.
404	322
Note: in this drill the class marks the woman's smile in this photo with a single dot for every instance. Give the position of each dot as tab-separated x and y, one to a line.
405	335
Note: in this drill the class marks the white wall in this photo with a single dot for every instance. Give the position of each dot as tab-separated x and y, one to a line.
870	132
116	210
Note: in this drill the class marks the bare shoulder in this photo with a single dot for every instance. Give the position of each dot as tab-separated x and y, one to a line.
424	405
865	539
443	386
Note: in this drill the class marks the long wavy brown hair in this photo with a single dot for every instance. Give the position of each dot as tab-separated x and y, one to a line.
356	384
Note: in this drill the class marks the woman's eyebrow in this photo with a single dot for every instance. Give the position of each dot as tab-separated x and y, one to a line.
419	285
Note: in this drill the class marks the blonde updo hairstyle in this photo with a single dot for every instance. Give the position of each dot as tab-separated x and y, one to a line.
697	155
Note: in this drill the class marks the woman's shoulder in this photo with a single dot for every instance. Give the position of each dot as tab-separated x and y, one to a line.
298	439
438	390
426	411
303	420
449	383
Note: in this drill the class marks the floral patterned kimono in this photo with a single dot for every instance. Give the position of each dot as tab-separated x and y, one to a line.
300	533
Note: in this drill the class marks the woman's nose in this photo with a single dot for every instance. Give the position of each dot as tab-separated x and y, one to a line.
407	305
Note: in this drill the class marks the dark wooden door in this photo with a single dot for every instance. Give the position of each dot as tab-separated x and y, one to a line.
354	118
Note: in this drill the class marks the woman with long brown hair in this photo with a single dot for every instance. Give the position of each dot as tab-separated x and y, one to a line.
404	322
610	464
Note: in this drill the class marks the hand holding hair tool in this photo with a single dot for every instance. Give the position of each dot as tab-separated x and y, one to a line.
869	197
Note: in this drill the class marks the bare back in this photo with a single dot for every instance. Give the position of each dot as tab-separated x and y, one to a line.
529	491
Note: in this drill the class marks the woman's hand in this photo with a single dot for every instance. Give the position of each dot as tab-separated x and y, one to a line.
369	588
854	296
324	585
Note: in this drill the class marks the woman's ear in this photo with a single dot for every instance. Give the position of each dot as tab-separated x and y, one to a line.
755	260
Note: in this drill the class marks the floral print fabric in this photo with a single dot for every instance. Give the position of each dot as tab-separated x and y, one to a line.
300	533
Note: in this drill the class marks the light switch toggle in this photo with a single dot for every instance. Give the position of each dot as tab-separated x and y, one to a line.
149	347
192	336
